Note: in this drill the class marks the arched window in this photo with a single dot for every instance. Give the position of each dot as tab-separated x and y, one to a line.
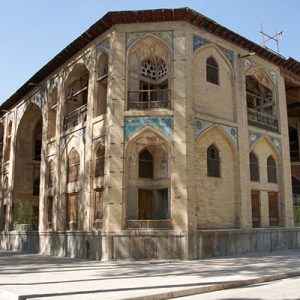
51	175
213	162
271	166
99	161
38	141
73	166
212	71
145	164
254	167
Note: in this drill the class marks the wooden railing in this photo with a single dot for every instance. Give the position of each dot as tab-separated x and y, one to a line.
149	99
75	117
265	121
149	224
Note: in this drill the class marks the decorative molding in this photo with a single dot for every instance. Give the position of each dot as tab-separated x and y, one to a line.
10	117
80	133
255	136
162	124
103	47
273	76
167	36
84	59
248	64
201	126
199	42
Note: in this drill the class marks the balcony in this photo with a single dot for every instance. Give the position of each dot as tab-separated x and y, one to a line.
76	117
262	120
149	224
149	99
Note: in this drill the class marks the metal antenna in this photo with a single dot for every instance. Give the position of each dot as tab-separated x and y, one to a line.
266	38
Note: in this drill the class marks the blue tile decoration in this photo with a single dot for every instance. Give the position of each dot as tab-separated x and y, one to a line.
201	126
276	142
10	117
231	132
38	98
229	54
253	138
167	36
198	42
163	124
102	48
53	82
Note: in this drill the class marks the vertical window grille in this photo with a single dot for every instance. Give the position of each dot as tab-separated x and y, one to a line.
72	211
255	201
51	174
100	160
273	209
213	162
271	167
212	71
145	164
98	205
254	167
73	166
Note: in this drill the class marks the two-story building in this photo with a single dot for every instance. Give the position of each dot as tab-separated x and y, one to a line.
155	134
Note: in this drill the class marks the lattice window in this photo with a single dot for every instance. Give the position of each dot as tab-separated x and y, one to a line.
154	68
73	166
100	161
50	212
255	201
72	211
273	209
98	205
213	162
212	71
271	166
254	167
51	174
145	164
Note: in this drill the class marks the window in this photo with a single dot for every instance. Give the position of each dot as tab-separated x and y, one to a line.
72	211
73	166
100	160
50	212
4	215
51	174
36	187
255	201
145	164
98	208
271	166
254	167
273	209
213	162
37	141
212	71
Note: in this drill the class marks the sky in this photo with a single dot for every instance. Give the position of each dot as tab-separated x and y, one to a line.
33	31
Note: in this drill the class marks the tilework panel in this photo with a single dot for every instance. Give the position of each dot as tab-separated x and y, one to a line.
253	138
167	36
53	82
102	48
163	124
276	142
201	126
228	53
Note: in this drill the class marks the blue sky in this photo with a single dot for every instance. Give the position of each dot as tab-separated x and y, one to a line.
33	31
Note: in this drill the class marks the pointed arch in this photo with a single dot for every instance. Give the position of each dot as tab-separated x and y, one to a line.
213	161
51	173
146	163
276	153
99	160
212	70
73	166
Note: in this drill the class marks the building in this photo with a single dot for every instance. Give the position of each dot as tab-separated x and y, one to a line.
155	134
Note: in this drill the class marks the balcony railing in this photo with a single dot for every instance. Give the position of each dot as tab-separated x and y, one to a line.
149	99
261	120
75	117
149	224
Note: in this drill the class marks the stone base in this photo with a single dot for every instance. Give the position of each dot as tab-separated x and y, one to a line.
236	242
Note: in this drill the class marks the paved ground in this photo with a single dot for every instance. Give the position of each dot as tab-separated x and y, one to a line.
274	290
27	276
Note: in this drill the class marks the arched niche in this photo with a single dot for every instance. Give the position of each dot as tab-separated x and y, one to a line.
76	95
149	73
27	170
52	112
148	189
218	96
217	197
